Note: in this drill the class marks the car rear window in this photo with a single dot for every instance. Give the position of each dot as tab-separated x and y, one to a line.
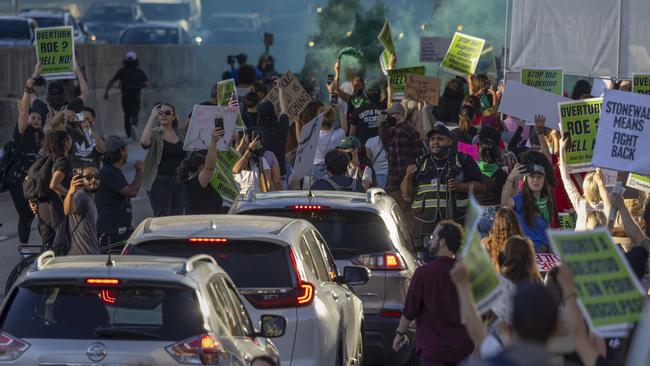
250	264
17	29
347	233
82	312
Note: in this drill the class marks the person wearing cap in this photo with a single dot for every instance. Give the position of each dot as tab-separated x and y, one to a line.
365	119
132	79
357	169
114	195
438	184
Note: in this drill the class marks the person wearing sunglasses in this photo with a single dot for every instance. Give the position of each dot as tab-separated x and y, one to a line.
79	205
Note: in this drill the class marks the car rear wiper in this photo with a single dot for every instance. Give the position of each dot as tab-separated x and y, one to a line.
124	333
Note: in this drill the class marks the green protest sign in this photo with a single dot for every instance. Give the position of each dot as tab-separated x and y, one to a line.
549	80
223	181
641	83
639	182
397	80
579	119
567	221
227	96
55	52
463	54
385	37
609	293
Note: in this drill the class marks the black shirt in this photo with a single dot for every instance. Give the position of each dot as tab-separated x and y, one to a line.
172	156
366	118
198	200
26	149
493	187
274	138
63	164
114	210
83	152
132	80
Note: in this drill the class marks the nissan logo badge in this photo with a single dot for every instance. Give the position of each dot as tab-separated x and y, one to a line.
96	352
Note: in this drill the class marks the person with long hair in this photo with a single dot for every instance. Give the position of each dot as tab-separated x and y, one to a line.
466	131
481	87
519	261
506	225
164	144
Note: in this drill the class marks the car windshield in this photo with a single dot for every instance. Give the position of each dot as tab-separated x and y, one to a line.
169	313
166	12
150	36
347	233
15	29
250	264
44	22
110	14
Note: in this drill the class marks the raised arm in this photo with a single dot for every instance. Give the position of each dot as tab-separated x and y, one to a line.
132	189
210	163
406	186
468	312
509	188
602	191
69	206
540	125
83	85
337	74
147	132
239	165
632	230
569	186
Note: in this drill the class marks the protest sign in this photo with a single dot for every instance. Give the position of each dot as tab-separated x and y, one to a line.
471	150
609	293
567	221
639	182
297	96
548	80
397	80
546	261
422	89
199	132
524	102
223	181
599	86
463	54
641	83
306	150
386	39
55	52
433	49
610	177
623	137
227	95
579	119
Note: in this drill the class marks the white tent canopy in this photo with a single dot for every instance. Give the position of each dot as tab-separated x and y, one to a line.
592	38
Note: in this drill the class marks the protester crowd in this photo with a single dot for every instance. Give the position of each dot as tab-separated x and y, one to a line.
71	179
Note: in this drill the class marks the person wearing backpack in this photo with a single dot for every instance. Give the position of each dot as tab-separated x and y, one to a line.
359	167
81	211
336	163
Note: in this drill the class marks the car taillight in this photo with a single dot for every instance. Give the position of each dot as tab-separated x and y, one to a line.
307	207
11	347
386	313
102	281
207	240
200	350
387	261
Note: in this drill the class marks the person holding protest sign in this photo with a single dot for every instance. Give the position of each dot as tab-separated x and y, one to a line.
252	171
195	173
164	144
480	86
433	303
505	225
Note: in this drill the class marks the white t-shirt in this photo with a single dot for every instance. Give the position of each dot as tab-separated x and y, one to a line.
366	177
327	141
249	179
379	155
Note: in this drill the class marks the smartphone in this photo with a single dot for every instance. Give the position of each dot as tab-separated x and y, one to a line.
80	117
330	79
334	100
218	122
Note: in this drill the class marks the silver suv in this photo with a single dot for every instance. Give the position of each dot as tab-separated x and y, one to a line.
359	229
82	310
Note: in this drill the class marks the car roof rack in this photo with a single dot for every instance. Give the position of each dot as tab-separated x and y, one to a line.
43	259
190	263
373	194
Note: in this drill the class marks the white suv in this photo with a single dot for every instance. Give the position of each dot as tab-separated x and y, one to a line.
282	267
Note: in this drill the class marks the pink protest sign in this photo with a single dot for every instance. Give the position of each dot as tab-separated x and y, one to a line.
468	149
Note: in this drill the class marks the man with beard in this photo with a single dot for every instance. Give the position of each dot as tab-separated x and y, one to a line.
432	302
79	205
439	183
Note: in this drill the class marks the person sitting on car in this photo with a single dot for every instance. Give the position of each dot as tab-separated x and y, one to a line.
336	164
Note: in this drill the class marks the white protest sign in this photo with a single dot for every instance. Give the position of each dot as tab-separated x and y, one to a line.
297	96
433	49
524	102
623	139
638	182
306	150
599	86
199	132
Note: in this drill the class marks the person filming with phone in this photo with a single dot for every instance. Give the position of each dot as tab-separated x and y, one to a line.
252	171
79	205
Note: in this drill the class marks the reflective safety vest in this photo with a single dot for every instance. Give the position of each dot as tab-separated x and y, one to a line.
432	200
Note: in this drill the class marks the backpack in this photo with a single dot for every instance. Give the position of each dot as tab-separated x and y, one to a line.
36	186
62	240
351	188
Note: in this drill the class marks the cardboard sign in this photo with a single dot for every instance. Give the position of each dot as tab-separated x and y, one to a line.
55	52
641	83
469	149
297	96
639	182
524	102
307	144
223	181
548	80
433	49
623	139
199	132
422	89
579	119
227	95
386	39
609	293
546	261
397	80
463	54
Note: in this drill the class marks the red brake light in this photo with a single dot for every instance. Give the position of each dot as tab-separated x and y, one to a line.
306	294
391	313
102	281
107	298
307	207
11	347
387	261
207	240
204	349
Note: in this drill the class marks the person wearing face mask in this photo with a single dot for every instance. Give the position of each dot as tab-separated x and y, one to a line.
357	169
438	184
365	119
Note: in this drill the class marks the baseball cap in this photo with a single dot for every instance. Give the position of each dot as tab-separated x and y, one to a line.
114	144
55	88
349	142
130	56
439	129
534	168
395	108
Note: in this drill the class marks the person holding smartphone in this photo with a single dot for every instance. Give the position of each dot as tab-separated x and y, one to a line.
79	205
252	171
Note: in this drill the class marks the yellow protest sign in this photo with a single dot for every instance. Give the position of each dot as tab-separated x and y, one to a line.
463	54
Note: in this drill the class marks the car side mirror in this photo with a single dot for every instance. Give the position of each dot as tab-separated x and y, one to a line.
356	275
272	326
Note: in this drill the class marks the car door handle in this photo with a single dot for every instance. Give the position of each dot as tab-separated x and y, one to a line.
335	296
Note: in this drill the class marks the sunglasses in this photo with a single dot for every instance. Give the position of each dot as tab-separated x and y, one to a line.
166	113
91	177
